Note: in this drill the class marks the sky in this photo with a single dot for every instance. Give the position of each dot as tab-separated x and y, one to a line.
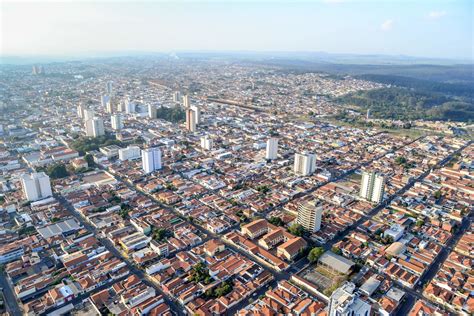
422	28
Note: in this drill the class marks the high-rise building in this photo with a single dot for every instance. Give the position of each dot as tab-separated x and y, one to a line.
272	148
110	106
197	111
346	301
80	110
372	187
310	216
88	114
190	120
206	143
305	163
186	102
177	96
151	159
109	87
36	186
129	153
94	127
104	99
116	122
152	111
129	106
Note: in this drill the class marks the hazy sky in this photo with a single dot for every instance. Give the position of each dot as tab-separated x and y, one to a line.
431	28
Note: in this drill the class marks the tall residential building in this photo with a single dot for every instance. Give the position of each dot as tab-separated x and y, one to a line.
109	107
272	148
152	111
88	114
80	110
104	99
109	87
206	143
305	163
151	159
94	127
197	111
129	153
116	122
372	187
186	102
190	120
310	216
346	301
36	186
177	96
129	106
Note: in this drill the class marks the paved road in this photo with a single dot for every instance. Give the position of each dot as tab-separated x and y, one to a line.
11	303
282	275
110	247
278	275
417	291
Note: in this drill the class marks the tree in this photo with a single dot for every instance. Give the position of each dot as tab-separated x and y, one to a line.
420	222
57	171
277	221
437	195
297	230
224	289
173	115
315	253
90	160
85	144
336	250
400	160
262	188
161	234
199	273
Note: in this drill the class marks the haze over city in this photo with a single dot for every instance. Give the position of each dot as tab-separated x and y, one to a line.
441	29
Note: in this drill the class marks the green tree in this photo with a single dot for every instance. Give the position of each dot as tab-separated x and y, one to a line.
90	160
420	222
57	171
199	272
277	221
161	234
400	160
315	253
262	188
336	250
297	230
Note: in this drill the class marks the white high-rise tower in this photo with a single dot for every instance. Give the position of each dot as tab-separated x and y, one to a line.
305	163
310	216
116	121
272	149
152	111
190	120
36	186
186	102
372	187
206	143
94	127
151	159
